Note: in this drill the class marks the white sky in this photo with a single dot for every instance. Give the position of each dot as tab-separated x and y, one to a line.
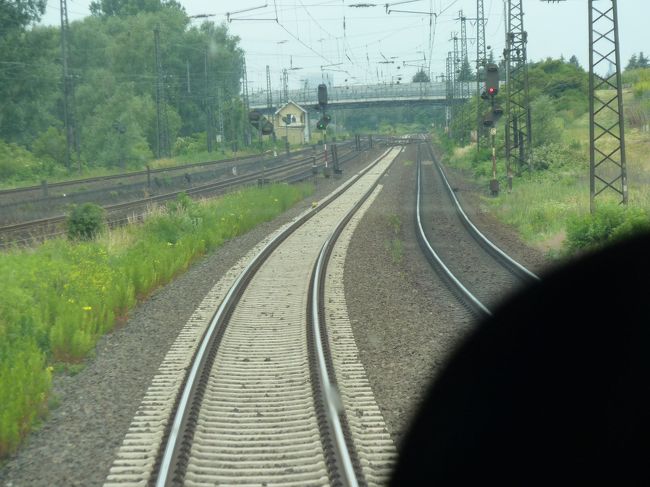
311	33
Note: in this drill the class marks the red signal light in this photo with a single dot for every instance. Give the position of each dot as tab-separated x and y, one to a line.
491	91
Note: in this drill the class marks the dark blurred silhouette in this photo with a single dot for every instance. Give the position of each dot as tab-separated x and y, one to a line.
553	389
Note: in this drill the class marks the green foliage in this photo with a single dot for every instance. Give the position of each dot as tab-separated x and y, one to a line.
564	83
16	162
111	57
556	157
545	124
609	223
640	62
57	300
85	222
109	8
421	77
50	147
16	15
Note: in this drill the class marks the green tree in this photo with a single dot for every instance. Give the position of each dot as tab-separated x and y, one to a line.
632	63
545	126
573	60
50	146
116	133
466	73
19	14
421	77
120	8
642	61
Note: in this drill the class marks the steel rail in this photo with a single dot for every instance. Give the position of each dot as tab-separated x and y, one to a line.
336	416
144	172
466	296
177	429
196	191
493	249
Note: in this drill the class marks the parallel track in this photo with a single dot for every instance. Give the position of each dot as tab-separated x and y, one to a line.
120	213
261	402
464	294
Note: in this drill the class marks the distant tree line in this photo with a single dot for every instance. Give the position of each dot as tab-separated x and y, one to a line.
114	76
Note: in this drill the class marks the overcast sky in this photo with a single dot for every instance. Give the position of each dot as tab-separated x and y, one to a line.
367	44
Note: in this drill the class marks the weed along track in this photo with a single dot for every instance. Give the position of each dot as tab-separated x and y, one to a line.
478	271
272	390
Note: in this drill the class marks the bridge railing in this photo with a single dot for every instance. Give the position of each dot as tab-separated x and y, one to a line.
406	91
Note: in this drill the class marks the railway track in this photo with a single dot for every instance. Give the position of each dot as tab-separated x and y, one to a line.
120	213
475	268
274	393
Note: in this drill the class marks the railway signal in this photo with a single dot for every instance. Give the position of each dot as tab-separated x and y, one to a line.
491	80
322	95
323	122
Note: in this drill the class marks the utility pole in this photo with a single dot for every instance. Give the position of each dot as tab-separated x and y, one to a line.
269	95
247	130
269	102
285	85
207	101
162	130
607	161
220	117
71	134
464	83
518	126
449	85
456	63
481	61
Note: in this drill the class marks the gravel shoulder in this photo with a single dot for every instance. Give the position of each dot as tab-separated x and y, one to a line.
405	321
77	443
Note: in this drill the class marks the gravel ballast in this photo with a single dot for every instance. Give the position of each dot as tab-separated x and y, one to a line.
77	443
404	319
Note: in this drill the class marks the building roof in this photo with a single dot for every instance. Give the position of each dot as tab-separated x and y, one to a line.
290	102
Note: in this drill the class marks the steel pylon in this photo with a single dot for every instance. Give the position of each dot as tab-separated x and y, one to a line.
518	126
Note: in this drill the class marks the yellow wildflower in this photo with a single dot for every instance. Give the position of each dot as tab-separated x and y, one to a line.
87	308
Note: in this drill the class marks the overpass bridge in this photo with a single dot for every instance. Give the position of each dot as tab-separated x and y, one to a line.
361	96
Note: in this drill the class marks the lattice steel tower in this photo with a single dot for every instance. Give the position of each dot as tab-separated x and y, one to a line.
481	61
518	127
456	89
607	164
269	95
449	85
247	106
464	61
607	161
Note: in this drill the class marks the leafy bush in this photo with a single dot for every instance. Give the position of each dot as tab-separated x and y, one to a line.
555	156
609	223
85	222
16	162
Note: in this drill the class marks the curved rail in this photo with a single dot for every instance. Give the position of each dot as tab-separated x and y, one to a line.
506	260
499	255
180	428
465	295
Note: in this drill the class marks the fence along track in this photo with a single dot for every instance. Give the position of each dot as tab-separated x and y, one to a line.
260	429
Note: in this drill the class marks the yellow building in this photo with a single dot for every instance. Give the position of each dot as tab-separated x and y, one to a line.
298	129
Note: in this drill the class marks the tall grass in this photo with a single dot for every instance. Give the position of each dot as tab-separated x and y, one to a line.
57	300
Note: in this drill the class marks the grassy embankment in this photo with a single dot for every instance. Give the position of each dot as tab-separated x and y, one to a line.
58	299
549	204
